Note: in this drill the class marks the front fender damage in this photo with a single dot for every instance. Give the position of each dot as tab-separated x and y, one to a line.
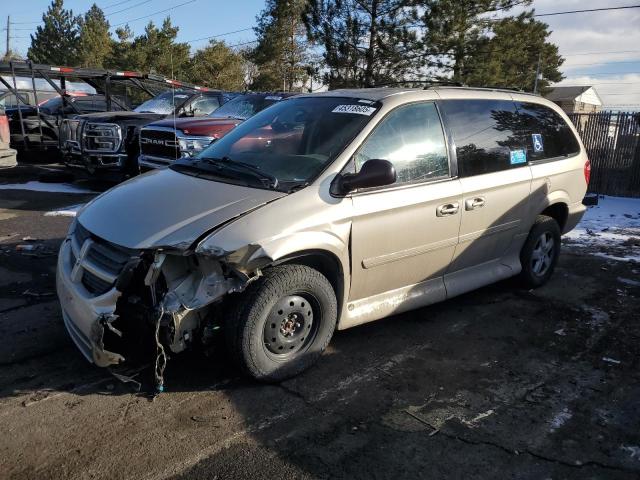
101	356
167	296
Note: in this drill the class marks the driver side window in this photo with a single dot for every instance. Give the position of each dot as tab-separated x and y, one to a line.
204	106
411	138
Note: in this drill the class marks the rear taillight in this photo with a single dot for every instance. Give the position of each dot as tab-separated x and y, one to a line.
4	129
587	171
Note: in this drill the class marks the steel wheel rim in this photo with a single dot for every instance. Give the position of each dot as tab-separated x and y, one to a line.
542	254
291	326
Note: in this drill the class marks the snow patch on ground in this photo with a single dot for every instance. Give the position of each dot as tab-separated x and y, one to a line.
71	211
36	186
610	229
628	281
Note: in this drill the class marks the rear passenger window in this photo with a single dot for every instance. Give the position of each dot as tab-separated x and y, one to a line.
484	133
545	133
411	138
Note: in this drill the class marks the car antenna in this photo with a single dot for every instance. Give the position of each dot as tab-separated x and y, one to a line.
173	99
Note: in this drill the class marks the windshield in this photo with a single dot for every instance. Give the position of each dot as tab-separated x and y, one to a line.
284	146
245	106
163	103
52	105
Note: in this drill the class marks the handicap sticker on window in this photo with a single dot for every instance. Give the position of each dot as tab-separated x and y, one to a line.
518	157
538	146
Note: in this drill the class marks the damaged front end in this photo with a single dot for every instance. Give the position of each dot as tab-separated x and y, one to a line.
135	305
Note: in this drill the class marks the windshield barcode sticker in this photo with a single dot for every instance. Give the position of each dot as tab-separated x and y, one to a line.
358	109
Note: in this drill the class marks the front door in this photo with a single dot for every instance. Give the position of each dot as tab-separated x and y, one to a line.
404	235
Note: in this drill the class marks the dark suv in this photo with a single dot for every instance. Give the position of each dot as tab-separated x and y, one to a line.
108	142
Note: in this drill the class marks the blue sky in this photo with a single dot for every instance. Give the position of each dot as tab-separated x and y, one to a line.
199	18
601	49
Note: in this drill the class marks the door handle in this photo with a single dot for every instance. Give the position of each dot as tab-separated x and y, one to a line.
473	203
447	209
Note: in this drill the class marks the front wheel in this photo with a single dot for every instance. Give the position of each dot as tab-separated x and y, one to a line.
282	323
539	255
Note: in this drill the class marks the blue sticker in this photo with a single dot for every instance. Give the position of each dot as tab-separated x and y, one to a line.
518	157
538	146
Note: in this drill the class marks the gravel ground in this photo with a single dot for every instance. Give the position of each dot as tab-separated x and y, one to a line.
498	383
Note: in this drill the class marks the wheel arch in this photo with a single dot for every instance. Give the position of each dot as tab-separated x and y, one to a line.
326	263
559	211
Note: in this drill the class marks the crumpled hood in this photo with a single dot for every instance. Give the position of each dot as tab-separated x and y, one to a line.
164	208
116	117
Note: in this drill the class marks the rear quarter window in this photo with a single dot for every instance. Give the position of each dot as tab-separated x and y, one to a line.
545	132
485	134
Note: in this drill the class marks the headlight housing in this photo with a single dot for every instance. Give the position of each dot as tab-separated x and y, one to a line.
191	146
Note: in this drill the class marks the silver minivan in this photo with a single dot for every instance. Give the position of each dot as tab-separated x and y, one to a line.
322	212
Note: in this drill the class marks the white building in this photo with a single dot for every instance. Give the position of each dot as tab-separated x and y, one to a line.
578	99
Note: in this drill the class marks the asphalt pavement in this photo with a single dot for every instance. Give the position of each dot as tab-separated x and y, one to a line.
499	383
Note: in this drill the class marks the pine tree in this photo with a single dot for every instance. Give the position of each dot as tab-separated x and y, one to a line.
218	66
455	29
95	43
122	50
366	42
156	51
282	54
510	57
56	42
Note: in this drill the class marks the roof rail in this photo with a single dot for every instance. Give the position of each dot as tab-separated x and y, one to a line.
499	88
426	83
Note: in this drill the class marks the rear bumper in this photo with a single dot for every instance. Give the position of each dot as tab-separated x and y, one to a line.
576	212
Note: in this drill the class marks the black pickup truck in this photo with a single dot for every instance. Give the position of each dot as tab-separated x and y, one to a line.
40	127
107	143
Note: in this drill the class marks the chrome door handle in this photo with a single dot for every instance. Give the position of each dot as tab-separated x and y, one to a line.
447	209
473	203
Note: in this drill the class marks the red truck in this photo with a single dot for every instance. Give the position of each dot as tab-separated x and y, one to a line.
167	140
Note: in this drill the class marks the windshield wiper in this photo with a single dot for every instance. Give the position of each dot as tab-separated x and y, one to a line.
247	167
298	186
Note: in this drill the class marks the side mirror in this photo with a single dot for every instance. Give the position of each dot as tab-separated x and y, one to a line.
374	173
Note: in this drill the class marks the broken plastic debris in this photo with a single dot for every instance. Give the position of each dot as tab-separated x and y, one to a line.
611	360
35	294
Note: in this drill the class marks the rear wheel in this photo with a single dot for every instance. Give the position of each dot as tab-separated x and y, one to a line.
282	323
539	255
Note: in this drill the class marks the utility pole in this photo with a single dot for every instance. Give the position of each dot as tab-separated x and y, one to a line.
535	83
8	35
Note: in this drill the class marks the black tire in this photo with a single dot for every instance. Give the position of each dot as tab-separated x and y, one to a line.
313	302
537	269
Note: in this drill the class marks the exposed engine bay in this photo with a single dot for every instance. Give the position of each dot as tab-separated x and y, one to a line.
158	302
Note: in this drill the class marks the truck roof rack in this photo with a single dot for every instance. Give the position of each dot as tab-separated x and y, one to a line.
101	80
